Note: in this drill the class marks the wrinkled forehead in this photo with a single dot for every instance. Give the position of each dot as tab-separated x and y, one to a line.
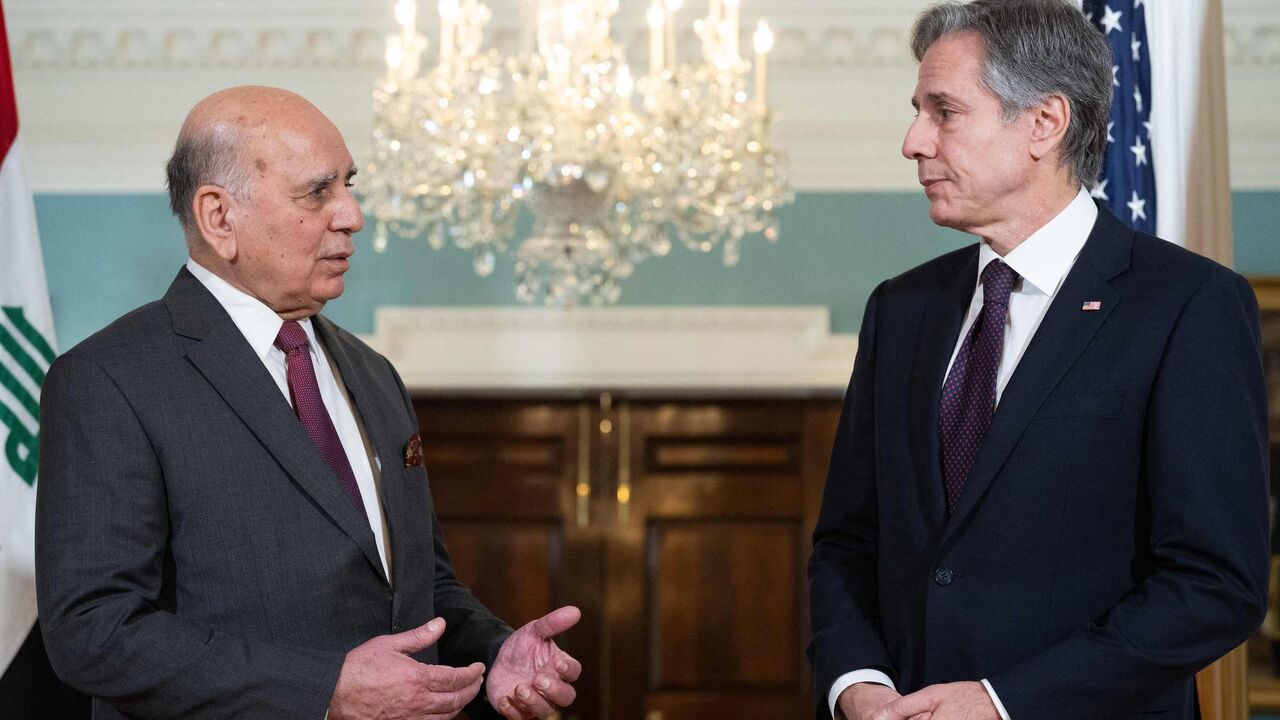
299	148
952	66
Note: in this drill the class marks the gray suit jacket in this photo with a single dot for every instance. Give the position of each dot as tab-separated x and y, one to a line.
195	556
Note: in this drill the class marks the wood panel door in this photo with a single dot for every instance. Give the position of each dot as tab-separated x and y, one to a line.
681	528
706	560
505	477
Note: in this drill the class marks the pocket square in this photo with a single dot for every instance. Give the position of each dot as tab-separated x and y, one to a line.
413	451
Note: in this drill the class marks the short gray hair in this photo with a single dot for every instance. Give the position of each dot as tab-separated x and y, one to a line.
1036	48
210	156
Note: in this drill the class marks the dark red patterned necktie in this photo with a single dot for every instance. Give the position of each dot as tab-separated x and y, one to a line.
969	395
310	408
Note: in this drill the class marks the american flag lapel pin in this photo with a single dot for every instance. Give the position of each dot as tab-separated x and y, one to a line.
1092	305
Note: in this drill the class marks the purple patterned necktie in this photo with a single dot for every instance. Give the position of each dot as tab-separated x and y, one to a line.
969	395
311	410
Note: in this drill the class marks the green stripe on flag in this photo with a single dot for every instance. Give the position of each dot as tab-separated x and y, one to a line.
20	449
10	383
20	356
29	332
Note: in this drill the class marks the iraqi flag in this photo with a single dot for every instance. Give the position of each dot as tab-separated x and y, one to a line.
26	350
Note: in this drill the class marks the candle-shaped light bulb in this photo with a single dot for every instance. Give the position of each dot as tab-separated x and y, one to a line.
450	13
731	28
625	84
763	42
395	53
407	12
657	18
763	39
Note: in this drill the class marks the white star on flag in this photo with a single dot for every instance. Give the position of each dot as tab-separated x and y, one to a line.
1138	206
1110	138
1137	98
1100	189
1115	76
1139	152
1111	19
1135	45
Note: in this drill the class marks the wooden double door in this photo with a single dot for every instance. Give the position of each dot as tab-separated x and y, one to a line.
679	527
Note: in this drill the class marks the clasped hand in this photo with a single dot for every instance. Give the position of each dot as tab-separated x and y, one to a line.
947	701
530	677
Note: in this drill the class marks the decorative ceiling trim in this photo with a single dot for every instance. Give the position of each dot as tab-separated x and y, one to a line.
57	46
103	86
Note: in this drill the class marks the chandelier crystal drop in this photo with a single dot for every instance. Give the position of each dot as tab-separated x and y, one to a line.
614	168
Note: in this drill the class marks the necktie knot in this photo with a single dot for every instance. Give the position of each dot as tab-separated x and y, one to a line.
291	337
997	283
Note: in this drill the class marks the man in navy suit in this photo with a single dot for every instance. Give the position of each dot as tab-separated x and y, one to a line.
1047	497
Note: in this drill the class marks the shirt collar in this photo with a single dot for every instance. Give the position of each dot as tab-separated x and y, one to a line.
1044	259
258	323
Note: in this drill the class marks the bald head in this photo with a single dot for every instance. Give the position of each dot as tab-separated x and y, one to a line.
219	142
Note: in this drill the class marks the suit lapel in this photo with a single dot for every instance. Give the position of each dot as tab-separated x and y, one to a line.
939	330
360	385
222	355
1059	341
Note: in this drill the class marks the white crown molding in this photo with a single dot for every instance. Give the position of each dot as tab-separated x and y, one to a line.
103	86
725	350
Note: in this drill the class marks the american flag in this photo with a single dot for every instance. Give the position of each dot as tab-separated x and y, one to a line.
1128	183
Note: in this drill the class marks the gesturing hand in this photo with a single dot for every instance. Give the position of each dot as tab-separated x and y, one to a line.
380	680
530	677
948	701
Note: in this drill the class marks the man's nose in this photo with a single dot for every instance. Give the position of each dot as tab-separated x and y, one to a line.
918	143
348	217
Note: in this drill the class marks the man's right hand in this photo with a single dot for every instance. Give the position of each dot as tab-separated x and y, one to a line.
380	680
861	700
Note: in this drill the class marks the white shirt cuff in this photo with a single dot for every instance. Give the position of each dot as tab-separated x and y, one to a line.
860	676
995	699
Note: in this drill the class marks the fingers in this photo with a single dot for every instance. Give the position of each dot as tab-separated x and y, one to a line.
444	705
530	703
922	702
442	678
568	668
556	622
556	691
419	638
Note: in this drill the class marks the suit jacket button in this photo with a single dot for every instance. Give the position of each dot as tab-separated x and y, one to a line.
395	627
943	576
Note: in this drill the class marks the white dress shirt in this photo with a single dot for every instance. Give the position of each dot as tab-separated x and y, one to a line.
1042	262
259	324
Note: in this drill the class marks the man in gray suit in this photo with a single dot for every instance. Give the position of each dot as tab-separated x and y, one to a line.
233	518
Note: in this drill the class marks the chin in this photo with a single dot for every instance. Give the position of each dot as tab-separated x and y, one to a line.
329	290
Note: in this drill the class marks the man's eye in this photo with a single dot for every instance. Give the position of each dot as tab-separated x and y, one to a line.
320	191
944	113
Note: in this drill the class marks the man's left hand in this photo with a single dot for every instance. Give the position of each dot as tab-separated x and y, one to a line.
949	701
531	676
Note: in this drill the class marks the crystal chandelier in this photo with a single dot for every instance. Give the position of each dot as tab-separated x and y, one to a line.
612	167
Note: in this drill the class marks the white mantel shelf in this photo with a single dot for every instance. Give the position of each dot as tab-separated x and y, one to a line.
749	351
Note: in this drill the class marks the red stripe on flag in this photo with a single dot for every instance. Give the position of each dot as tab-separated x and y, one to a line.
8	102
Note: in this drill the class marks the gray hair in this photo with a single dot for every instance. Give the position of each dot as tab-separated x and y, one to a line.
1034	49
211	156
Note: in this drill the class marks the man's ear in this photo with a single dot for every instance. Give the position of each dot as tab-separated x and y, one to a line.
1050	119
215	211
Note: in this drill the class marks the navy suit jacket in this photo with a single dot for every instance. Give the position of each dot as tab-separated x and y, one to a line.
195	556
1112	537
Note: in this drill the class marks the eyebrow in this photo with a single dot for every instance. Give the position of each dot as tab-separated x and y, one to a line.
323	180
934	98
